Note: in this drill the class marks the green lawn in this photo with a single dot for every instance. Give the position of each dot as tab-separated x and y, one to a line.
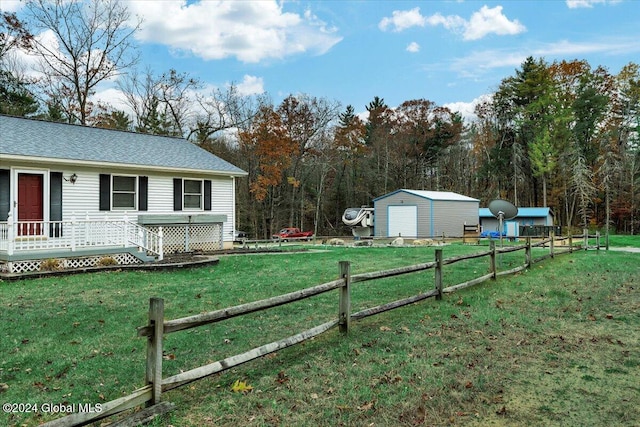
555	345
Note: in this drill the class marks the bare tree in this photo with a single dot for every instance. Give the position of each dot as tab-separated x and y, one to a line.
93	43
13	34
225	109
162	105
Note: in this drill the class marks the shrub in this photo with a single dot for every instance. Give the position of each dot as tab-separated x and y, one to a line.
50	264
107	261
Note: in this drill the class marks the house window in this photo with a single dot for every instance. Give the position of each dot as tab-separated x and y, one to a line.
124	192
192	194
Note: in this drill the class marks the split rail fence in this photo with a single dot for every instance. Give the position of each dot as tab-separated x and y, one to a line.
151	394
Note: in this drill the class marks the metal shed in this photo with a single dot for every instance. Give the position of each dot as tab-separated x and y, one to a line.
526	217
422	214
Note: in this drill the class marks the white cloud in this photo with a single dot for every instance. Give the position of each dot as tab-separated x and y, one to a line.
482	22
402	19
251	85
113	97
467	109
451	22
11	5
575	4
487	21
413	47
250	31
480	62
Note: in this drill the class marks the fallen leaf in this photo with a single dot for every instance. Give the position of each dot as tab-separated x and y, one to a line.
367	406
282	377
385	328
241	387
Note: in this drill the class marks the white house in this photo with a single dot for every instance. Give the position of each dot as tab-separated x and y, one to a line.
79	193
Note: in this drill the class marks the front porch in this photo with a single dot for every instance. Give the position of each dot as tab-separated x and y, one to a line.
39	245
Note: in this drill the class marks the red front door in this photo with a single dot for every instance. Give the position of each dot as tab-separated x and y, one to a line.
30	204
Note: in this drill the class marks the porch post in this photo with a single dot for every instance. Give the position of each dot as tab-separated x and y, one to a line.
160	245
125	236
88	230
73	231
10	234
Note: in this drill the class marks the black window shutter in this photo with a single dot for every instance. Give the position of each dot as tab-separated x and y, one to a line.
207	195
143	193
55	203
105	192
5	202
177	194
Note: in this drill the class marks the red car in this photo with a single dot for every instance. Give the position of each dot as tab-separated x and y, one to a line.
292	233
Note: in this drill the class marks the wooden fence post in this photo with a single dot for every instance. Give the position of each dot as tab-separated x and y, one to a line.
552	236
597	240
527	253
344	315
585	237
492	248
154	348
570	242
438	273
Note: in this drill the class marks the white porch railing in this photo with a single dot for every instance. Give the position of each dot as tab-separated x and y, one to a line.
17	236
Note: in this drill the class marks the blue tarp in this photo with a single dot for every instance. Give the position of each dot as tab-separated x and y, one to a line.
491	234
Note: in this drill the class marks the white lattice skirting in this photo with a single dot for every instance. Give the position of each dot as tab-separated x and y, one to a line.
189	238
54	264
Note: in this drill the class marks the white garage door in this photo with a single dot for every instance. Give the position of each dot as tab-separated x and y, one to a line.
403	221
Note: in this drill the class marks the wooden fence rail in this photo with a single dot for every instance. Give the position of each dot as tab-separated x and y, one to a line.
151	394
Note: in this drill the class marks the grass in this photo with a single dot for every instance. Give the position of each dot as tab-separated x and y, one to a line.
556	345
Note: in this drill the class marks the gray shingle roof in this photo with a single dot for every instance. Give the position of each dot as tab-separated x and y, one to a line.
36	138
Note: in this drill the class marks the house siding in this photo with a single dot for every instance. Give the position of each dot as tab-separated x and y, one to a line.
223	203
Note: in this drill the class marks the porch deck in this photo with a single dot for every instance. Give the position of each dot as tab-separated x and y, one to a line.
38	240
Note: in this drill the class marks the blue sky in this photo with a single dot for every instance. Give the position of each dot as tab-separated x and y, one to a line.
449	52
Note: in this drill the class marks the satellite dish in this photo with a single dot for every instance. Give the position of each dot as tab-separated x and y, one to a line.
503	209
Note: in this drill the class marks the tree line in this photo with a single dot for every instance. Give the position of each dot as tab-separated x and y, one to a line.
564	135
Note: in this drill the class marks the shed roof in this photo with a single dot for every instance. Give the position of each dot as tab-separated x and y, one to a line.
522	213
37	139
433	195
